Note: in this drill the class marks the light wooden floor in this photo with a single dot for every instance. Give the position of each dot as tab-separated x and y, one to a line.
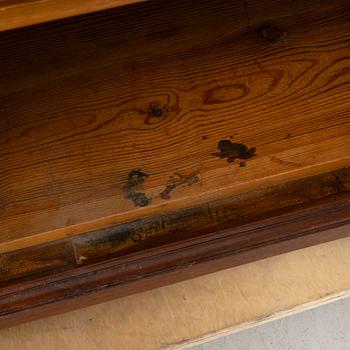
182	314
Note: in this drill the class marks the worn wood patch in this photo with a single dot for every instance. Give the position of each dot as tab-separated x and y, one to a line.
122	239
30	263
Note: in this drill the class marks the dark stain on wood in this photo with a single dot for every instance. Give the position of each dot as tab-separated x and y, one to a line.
139	198
232	150
110	238
179	180
270	33
132	236
136	178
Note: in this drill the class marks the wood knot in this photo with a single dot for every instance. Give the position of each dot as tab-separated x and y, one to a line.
158	111
270	33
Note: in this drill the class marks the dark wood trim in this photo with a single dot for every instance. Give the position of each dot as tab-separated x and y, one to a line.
316	210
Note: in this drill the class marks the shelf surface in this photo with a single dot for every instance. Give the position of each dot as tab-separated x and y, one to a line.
78	117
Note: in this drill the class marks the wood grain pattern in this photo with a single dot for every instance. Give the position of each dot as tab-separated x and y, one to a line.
21	13
232	214
26	294
111	127
82	123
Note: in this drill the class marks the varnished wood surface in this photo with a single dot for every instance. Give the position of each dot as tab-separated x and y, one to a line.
117	135
226	226
37	283
199	309
21	13
75	112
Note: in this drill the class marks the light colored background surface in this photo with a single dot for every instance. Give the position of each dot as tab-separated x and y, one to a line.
324	328
199	309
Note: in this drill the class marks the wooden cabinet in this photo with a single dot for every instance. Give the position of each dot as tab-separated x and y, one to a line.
156	141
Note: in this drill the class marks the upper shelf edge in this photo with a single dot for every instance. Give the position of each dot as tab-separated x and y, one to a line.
20	13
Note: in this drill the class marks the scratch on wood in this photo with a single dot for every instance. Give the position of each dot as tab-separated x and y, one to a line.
179	180
285	162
